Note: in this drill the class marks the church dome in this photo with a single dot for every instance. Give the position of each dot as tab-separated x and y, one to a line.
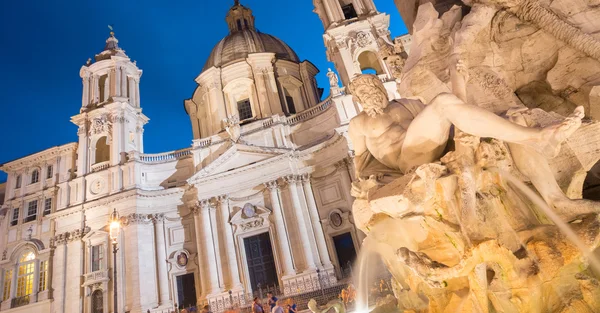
239	44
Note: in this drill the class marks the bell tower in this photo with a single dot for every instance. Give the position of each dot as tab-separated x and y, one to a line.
356	37
110	121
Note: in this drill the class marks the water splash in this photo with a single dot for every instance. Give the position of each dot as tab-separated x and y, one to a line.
562	225
362	291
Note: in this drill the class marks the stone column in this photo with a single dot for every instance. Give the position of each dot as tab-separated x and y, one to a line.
85	98
131	91
316	221
123	82
118	76
234	271
284	245
292	181
96	86
137	92
161	260
204	242
214	230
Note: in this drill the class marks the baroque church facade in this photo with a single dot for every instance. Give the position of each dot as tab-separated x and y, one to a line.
261	198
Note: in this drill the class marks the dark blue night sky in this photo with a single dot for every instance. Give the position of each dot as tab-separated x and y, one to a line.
45	43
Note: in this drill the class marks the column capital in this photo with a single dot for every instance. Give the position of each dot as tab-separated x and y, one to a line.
305	177
158	218
292	179
272	185
222	198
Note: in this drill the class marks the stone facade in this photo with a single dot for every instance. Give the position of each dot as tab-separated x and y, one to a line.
285	170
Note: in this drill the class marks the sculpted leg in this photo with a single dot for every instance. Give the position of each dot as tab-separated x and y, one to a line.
426	133
533	165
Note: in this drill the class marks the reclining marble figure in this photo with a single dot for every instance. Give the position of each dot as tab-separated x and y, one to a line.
391	138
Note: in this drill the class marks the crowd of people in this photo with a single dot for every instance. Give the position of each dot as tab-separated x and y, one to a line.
274	305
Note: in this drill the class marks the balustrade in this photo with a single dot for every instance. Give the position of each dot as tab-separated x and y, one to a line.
100	166
165	157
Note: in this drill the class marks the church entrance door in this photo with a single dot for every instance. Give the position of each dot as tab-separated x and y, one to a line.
261	264
344	248
186	290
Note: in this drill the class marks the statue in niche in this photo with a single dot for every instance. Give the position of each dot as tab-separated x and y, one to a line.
394	138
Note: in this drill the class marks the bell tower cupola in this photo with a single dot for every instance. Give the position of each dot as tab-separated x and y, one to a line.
110	119
356	37
239	18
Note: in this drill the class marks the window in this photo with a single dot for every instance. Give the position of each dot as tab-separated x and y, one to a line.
246	23
47	206
35	176
97	257
239	24
43	276
49	172
349	11
7	283
25	274
244	109
18	182
31	211
15	217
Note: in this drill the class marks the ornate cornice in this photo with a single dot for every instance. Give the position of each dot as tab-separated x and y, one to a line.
67	237
135	218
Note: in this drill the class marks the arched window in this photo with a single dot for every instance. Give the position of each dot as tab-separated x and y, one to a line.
239	24
369	63
103	87
102	150
25	276
35	176
97	301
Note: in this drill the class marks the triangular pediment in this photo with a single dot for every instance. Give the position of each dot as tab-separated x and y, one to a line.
239	156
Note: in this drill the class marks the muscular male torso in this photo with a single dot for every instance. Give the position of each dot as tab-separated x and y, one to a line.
384	134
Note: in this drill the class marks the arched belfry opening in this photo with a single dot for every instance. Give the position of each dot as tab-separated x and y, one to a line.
369	63
348	9
102	150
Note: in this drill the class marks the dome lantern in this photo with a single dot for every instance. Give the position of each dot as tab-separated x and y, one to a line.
239	18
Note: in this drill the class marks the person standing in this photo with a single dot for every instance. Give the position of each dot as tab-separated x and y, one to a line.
272	300
257	306
278	308
291	306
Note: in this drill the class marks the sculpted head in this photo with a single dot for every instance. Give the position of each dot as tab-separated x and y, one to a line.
368	90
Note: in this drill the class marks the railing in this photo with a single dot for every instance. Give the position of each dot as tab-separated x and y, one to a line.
100	166
306	114
95	276
167	156
20	301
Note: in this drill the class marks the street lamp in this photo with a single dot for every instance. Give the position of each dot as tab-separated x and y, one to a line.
115	228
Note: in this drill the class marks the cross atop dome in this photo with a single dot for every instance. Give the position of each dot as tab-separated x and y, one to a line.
111	48
239	18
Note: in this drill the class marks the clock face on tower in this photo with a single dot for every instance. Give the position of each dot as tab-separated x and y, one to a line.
97	186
